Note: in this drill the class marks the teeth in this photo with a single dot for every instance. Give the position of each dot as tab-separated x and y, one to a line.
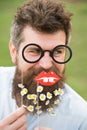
45	80
48	79
51	79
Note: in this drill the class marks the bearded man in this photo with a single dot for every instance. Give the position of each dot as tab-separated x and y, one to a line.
34	93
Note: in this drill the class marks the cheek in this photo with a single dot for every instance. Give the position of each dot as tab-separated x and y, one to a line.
60	67
22	64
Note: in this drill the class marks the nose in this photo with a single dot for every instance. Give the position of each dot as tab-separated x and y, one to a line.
46	61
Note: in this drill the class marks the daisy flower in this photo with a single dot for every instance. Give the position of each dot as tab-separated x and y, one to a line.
42	97
29	96
20	85
24	91
56	102
30	108
38	107
60	91
50	109
56	92
49	95
33	96
47	102
39	112
39	89
35	102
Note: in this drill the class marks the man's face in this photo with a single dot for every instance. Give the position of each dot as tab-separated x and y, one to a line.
46	42
28	71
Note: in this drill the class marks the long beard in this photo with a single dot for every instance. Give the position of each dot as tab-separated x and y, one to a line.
31	85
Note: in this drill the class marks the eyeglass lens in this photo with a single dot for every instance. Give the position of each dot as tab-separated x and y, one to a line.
33	53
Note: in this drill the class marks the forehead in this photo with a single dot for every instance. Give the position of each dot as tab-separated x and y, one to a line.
45	40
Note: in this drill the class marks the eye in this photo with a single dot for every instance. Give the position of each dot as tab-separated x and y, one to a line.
33	51
59	51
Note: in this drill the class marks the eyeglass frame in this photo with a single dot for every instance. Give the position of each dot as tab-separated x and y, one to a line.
50	52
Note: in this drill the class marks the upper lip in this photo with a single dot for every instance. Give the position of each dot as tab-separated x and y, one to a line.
48	79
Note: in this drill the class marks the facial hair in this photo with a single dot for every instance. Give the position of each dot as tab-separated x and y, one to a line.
28	80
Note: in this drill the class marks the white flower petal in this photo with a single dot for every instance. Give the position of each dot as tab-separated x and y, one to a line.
42	97
30	108
49	95
39	89
20	85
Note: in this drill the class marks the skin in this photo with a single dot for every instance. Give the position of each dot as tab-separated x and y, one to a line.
17	120
42	128
45	41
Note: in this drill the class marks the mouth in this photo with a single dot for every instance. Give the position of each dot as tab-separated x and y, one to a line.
47	79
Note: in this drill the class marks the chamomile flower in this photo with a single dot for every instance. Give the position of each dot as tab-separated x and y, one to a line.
50	109
49	95
33	96
56	92
39	89
56	102
42	97
30	108
38	107
39	112
20	85
29	96
47	102
24	91
35	102
60	91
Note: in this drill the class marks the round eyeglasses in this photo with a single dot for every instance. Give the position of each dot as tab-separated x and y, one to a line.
32	53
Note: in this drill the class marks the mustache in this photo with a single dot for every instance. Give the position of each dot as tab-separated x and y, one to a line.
35	71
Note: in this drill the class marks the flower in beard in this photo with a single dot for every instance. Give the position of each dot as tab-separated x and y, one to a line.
39	89
31	86
56	92
24	91
35	102
31	96
20	85
49	95
30	108
56	101
60	91
42	97
50	109
39	112
47	102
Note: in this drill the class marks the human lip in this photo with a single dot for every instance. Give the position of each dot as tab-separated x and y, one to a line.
47	79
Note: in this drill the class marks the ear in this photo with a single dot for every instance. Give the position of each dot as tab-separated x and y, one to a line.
13	52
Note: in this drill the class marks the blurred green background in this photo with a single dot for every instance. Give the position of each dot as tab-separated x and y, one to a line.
76	69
